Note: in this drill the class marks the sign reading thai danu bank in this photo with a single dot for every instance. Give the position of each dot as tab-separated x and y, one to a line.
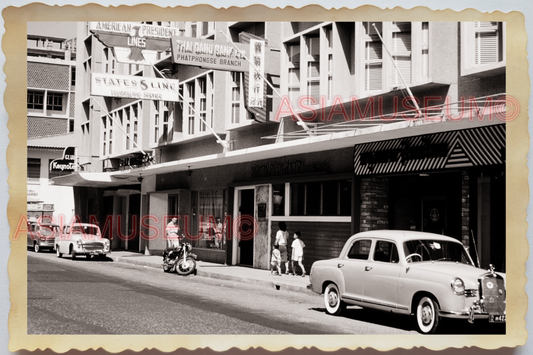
134	87
209	54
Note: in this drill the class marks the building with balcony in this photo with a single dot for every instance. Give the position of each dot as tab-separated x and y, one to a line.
51	68
385	125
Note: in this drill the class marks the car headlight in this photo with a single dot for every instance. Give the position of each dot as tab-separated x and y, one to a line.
458	286
79	242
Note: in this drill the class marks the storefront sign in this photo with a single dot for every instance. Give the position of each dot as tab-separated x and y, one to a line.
288	168
134	43
208	53
256	75
457	149
67	163
134	87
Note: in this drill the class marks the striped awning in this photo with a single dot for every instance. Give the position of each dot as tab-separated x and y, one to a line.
456	149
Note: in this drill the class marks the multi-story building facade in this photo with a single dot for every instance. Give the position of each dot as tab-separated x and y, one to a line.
50	100
386	125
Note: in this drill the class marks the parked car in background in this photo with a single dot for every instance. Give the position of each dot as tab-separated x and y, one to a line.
41	236
408	272
82	239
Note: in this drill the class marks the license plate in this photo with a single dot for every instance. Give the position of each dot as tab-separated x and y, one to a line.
497	318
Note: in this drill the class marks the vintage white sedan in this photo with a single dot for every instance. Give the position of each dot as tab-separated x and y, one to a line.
41	235
82	239
408	272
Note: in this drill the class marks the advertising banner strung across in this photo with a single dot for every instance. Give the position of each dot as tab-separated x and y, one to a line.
134	43
134	87
256	83
209	54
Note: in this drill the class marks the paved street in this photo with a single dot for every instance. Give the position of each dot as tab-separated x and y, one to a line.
107	297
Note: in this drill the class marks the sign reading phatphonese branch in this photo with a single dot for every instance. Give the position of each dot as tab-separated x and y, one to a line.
134	87
134	43
67	163
256	82
209	54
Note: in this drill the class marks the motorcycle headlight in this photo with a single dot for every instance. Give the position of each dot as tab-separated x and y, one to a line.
458	286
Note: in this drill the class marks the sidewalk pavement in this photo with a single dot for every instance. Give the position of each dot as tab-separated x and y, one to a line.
218	271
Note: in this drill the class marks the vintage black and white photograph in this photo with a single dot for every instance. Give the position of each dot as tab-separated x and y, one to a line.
271	177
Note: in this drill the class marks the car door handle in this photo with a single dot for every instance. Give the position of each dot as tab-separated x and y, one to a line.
368	268
340	265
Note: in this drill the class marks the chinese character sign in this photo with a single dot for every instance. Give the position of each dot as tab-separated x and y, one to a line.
257	72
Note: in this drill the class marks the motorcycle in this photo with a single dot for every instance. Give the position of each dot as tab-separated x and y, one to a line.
180	260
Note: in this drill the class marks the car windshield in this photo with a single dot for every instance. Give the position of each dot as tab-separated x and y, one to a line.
435	250
48	230
85	230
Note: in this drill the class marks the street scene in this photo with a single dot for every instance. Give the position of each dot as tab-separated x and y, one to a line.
266	178
114	296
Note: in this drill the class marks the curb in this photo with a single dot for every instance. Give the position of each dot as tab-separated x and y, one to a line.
214	275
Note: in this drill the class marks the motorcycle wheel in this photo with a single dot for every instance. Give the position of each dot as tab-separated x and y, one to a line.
187	267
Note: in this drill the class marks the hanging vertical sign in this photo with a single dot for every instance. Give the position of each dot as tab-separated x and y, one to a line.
134	43
256	74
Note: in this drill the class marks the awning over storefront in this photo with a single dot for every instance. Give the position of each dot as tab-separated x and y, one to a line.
456	149
94	180
319	143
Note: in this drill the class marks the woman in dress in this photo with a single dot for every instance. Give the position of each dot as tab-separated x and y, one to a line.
282	238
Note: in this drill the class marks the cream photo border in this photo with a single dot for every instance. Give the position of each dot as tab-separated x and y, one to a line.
518	87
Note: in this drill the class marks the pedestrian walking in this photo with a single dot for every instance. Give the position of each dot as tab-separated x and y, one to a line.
282	240
275	261
298	252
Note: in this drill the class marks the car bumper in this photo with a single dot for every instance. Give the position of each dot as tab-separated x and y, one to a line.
92	252
46	243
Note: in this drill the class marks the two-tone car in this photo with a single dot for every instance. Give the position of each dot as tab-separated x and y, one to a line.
82	239
41	235
409	272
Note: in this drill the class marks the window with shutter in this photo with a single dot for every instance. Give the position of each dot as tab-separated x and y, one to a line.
487	43
401	53
373	57
313	68
236	97
34	168
482	47
293	52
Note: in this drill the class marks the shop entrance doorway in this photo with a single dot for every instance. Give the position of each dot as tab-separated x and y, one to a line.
434	215
245	226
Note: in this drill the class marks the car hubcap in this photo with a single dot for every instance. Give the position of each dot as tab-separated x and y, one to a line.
427	314
332	299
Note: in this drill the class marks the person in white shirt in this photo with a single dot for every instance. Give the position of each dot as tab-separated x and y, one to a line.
282	239
276	260
298	252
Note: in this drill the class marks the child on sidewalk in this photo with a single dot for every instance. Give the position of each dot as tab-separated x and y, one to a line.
298	252
276	260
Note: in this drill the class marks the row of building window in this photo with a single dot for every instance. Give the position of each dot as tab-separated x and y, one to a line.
383	56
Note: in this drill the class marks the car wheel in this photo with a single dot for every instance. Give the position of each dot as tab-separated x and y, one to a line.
427	315
332	299
72	254
58	254
36	247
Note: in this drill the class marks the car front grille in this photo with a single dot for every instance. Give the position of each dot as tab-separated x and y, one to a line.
93	246
492	293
